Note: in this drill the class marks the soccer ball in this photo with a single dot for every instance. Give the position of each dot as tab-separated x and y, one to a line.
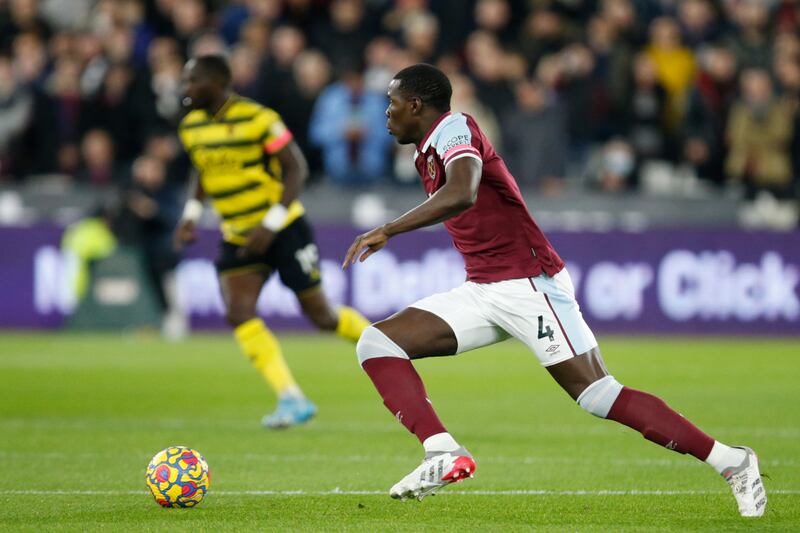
178	477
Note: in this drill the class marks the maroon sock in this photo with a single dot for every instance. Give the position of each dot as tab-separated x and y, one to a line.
657	422
404	395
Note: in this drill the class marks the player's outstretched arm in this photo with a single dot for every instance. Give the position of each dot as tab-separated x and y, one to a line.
458	194
295	173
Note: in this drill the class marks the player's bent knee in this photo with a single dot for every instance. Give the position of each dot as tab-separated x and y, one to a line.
598	397
374	343
236	319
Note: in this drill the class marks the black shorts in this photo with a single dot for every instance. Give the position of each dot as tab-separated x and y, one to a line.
293	254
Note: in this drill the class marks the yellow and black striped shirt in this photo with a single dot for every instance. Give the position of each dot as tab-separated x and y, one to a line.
234	153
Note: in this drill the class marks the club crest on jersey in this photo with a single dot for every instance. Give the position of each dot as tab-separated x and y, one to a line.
431	168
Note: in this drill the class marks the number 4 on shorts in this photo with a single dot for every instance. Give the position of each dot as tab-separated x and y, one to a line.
545	331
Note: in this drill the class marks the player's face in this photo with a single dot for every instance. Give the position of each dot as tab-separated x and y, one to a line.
199	88
399	115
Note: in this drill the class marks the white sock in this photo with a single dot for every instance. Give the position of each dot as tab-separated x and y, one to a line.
441	442
292	391
723	457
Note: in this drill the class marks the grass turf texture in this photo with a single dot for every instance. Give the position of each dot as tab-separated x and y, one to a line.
81	415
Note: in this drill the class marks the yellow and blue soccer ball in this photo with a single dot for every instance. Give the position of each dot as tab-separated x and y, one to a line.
178	477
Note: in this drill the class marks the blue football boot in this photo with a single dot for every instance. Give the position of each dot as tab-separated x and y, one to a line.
290	412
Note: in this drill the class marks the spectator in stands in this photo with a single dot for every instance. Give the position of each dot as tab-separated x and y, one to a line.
126	56
99	54
396	14
232	17
208	43
787	73
613	59
165	82
465	101
98	164
189	18
163	144
675	67
582	96
66	15
244	63
698	21
133	13
312	73
787	43
543	33
64	90
751	41
644	121
622	17
420	35
379	69
495	16
118	45
613	168
256	35
161	50
150	211
36	151
123	109
303	13
760	134
787	16
22	16
535	137
16	111
710	101
159	16
30	59
89	49
265	11
349	126
486	61
346	34
287	43
455	21
275	78
111	17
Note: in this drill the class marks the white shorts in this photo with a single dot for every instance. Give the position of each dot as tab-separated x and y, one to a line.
541	312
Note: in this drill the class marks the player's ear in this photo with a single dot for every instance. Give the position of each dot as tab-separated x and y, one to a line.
416	105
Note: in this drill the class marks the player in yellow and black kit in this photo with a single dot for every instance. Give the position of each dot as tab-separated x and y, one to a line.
252	170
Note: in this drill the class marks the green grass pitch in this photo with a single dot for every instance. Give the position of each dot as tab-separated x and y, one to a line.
81	415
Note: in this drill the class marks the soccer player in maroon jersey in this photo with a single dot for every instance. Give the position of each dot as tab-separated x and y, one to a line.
516	286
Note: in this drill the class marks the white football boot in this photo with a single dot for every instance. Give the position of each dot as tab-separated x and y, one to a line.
437	470
745	481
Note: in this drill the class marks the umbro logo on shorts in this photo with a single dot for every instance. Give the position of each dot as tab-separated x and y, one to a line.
553	348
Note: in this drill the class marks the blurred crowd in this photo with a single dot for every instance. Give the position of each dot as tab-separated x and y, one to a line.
611	91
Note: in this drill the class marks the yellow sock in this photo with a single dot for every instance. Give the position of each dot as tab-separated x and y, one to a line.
351	323
259	344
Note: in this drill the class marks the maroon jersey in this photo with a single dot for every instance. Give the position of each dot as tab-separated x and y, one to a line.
497	237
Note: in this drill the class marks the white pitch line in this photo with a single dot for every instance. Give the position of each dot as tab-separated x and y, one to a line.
677	462
339	492
84	423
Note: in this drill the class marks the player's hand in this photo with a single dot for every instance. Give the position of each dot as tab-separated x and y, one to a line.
185	233
258	240
372	240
